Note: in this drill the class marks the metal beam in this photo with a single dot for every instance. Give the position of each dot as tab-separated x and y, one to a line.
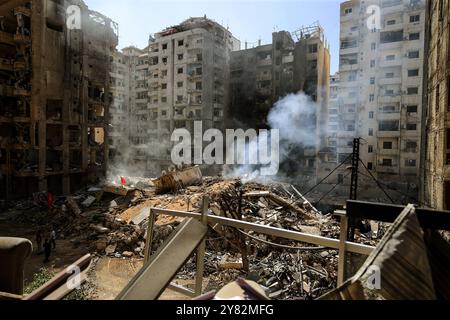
281	233
151	281
428	219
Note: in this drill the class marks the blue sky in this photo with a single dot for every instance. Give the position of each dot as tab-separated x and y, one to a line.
248	20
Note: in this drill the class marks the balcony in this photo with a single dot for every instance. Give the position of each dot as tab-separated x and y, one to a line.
388	169
349	67
388	152
348	116
388	134
22	39
388	116
22	10
264	91
349	50
347	134
389	99
6	65
389	81
22	92
390	63
6	91
392	6
264	62
264	77
6	38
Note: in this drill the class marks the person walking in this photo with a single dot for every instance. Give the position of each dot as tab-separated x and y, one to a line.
47	250
39	241
53	238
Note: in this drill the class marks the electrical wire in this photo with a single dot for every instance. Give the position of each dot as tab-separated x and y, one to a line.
376	181
323	180
395	190
335	186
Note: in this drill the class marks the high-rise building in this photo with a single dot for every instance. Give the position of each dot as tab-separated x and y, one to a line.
123	111
381	76
436	183
292	63
182	78
333	119
54	96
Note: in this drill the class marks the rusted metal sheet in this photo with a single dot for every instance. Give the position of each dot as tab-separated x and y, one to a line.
178	180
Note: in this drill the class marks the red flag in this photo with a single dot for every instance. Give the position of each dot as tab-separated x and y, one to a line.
123	181
50	199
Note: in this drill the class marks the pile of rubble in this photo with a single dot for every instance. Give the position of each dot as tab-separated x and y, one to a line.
112	220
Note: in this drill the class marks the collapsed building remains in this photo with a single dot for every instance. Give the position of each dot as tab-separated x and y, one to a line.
54	91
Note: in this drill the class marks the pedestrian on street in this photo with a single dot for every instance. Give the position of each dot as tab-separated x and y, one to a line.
39	241
53	238
47	250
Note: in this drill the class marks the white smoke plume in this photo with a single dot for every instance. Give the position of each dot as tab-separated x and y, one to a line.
295	117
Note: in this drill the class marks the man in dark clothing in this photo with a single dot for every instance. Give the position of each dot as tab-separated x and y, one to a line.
39	241
47	250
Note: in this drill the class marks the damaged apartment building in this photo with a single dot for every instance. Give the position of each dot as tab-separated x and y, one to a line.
380	94
129	87
182	77
436	192
261	76
54	95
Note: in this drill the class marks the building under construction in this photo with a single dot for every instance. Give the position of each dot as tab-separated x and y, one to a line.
54	95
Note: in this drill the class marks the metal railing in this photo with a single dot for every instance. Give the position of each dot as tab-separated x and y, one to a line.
207	218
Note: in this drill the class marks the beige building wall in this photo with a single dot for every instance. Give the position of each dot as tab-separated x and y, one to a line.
436	191
381	76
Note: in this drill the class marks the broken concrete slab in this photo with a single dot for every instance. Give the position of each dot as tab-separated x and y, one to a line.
89	201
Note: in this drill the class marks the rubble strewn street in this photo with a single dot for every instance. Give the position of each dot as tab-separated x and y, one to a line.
111	220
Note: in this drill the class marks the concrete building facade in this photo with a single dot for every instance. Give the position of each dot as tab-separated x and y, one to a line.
262	75
333	120
381	85
183	78
436	186
54	91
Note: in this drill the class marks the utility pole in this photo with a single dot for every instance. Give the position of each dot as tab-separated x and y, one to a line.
354	183
355	167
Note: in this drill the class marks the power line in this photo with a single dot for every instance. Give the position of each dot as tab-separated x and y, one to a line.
396	190
335	186
376	181
323	180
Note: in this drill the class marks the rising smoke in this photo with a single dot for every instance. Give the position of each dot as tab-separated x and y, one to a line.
295	117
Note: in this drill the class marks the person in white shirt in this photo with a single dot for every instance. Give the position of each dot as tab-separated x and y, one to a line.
53	238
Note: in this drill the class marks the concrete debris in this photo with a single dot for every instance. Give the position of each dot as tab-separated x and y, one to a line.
115	224
73	206
89	201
